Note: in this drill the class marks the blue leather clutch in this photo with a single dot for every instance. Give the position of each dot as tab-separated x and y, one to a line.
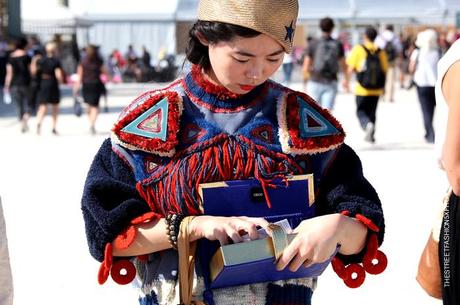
254	261
294	201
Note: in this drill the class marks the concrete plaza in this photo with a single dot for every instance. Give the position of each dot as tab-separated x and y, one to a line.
41	181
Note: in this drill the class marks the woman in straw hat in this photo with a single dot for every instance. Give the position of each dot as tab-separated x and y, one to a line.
225	120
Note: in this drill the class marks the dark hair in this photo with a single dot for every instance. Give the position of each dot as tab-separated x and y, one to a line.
326	24
390	27
213	32
370	33
20	43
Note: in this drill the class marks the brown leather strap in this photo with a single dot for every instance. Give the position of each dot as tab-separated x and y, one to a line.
186	251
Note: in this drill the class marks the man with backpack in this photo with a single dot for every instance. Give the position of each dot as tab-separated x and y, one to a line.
390	43
370	65
323	60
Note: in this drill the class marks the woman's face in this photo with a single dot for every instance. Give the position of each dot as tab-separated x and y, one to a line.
244	63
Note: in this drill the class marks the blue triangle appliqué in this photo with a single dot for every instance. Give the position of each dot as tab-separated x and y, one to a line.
321	126
151	124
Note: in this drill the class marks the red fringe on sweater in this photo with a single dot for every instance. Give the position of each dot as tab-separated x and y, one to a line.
232	159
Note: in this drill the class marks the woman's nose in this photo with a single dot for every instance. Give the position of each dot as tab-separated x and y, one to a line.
254	72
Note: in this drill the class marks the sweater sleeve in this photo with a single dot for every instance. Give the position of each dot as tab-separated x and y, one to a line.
344	189
110	199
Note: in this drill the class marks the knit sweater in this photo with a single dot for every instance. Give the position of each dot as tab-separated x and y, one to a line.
169	141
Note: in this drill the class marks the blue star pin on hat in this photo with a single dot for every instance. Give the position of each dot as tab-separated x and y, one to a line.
289	32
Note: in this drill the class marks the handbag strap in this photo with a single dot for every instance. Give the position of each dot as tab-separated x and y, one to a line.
186	251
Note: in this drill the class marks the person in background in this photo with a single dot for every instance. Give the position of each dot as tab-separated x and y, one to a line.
6	279
447	146
390	43
48	71
407	45
116	64
305	63
288	67
18	79
367	97
89	80
323	61
423	66
3	62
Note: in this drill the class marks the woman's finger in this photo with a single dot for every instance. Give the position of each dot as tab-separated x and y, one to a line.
288	254
297	262
232	233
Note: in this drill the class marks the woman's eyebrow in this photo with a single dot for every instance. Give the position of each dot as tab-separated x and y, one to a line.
244	53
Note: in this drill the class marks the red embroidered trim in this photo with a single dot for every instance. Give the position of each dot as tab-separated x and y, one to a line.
367	222
216	109
147	144
221	92
129	272
133	104
147	217
376	267
354	269
106	264
338	267
372	254
293	125
374	260
127	237
123	241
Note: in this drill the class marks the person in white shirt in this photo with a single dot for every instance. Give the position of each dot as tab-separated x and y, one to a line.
448	146
423	65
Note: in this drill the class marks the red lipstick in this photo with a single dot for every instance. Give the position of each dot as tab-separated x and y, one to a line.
247	87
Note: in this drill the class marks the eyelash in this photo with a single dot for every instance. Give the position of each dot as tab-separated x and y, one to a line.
241	61
245	61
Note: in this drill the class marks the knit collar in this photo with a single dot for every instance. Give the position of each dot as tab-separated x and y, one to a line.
216	97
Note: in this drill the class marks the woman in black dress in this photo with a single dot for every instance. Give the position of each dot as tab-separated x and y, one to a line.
49	72
17	81
89	71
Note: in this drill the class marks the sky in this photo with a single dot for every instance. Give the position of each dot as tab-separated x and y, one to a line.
114	6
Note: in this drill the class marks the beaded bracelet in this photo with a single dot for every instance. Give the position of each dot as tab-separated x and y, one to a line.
172	227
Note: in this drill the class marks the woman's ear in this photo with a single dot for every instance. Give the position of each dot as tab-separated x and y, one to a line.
201	38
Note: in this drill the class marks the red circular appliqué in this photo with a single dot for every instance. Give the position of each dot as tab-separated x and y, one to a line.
120	278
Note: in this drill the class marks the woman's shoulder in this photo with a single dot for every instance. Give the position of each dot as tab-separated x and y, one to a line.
306	127
151	121
449	58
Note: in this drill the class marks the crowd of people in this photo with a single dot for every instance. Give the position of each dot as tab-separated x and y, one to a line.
31	74
386	57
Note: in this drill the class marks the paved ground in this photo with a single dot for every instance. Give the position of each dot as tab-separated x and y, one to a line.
41	180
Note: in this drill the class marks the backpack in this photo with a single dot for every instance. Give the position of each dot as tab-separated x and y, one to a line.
390	50
372	75
326	59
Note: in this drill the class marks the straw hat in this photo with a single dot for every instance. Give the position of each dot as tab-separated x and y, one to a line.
276	18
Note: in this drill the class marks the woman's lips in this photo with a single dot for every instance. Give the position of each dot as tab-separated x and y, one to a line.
247	87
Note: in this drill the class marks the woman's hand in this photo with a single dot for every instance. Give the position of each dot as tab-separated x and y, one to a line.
317	239
225	228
